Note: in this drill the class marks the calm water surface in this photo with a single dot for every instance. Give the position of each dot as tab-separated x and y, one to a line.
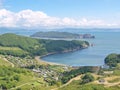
105	43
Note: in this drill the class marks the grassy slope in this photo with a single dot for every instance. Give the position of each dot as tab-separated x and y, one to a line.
36	46
112	82
4	63
16	40
22	62
27	44
75	85
26	77
12	50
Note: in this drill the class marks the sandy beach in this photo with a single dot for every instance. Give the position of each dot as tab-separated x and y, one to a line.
38	58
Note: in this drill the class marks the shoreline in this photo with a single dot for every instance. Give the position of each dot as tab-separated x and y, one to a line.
66	51
52	63
46	62
38	58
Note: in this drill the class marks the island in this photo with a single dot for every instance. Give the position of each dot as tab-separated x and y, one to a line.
62	35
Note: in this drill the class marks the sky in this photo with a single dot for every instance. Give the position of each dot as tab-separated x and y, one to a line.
60	13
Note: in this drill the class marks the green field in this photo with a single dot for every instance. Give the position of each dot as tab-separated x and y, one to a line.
10	48
12	51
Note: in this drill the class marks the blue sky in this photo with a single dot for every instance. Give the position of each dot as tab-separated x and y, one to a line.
71	8
107	11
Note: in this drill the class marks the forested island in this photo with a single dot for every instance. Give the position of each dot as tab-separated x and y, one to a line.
62	35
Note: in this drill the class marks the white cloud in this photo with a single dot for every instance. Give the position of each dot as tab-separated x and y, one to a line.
36	19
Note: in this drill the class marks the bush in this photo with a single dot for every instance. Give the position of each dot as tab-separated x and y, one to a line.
87	78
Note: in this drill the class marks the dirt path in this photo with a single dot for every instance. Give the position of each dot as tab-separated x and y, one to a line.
75	78
112	84
9	62
20	85
108	84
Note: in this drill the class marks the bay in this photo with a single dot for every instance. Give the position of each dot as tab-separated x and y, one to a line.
105	43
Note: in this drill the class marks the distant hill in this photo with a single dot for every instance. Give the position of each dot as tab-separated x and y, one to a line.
63	35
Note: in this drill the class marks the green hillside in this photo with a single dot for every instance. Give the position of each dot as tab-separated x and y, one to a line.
112	60
62	45
27	44
3	62
13	40
75	85
19	79
16	45
15	51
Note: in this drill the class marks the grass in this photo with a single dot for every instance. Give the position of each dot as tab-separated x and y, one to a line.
58	68
75	85
9	48
116	72
26	77
15	51
4	63
114	80
21	62
38	84
28	82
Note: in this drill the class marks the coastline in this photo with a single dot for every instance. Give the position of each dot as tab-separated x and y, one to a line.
38	58
65	51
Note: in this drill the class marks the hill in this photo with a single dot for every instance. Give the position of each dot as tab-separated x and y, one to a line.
112	60
4	62
61	35
17	45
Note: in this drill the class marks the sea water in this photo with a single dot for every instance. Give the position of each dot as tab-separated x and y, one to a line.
105	42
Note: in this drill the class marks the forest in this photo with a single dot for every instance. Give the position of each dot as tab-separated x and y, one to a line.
11	44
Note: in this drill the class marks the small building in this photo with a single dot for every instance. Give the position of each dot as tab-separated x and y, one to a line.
101	81
108	72
105	66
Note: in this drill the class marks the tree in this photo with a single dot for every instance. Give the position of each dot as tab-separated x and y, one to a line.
112	60
87	78
16	77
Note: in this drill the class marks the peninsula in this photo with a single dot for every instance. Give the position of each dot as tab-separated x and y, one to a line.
16	45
